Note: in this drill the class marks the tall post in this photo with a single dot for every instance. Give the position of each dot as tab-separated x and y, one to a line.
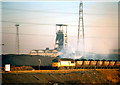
17	33
39	63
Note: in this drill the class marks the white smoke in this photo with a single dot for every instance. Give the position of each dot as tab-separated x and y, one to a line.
68	52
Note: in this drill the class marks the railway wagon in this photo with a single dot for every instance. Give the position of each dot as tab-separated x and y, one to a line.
111	63
93	63
99	63
86	63
79	63
117	64
105	63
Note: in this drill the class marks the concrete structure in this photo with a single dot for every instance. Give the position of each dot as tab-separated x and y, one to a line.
46	52
61	36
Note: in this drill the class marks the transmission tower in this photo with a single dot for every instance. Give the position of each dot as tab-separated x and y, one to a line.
61	36
81	28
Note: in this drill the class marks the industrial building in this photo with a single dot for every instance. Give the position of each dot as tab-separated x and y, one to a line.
60	43
45	52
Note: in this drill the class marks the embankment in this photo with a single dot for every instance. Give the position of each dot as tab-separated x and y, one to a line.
63	77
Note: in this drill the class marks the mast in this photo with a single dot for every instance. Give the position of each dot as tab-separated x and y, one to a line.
81	29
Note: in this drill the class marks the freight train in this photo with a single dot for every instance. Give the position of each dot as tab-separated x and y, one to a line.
85	64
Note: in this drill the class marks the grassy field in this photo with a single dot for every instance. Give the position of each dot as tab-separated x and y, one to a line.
61	77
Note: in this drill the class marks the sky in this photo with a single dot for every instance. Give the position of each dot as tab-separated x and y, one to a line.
37	22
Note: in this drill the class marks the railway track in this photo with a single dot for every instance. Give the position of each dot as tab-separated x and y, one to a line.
55	71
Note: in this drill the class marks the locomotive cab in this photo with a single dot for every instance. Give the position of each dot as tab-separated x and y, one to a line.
63	63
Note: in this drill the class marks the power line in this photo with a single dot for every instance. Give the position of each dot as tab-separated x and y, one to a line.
50	24
28	34
27	23
98	28
54	35
42	11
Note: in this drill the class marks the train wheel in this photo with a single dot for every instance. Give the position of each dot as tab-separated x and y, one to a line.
61	68
67	67
71	67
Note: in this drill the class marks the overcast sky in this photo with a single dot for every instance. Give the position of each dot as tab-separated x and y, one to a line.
37	25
